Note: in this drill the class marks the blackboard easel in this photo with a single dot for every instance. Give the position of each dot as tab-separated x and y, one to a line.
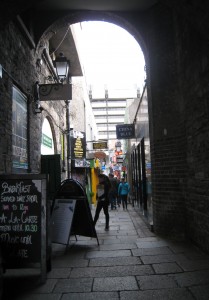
23	232
71	214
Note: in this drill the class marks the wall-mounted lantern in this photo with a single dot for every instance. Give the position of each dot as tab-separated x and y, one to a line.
62	66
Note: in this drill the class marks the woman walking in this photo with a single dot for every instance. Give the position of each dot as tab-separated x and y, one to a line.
123	191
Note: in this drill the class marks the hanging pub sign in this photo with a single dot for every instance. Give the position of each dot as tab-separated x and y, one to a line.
125	131
78	145
100	145
55	91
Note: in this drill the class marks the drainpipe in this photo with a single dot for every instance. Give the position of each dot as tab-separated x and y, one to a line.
68	139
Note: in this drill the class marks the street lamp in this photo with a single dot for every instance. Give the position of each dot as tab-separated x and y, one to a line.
62	65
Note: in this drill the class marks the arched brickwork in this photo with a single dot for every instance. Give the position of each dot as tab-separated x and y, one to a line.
174	39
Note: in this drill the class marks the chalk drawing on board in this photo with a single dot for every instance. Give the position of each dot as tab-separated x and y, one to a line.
62	218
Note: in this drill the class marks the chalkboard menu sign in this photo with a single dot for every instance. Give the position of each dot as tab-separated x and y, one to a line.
71	213
22	219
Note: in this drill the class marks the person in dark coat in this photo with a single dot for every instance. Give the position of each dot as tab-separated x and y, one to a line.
113	191
103	189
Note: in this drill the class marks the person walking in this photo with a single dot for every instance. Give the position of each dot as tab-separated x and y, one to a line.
123	191
113	191
103	189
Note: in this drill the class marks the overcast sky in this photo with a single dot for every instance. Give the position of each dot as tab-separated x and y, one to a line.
112	57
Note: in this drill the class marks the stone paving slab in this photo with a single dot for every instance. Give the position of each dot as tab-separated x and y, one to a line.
118	246
111	271
191	265
166	268
116	261
165	294
151	251
115	284
95	254
154	259
151	244
153	282
62	262
183	247
39	297
120	240
190	279
73	285
59	273
200	292
91	296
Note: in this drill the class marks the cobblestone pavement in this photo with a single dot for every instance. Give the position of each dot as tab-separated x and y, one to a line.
131	263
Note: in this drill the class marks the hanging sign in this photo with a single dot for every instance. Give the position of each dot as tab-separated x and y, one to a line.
78	146
125	131
100	145
56	91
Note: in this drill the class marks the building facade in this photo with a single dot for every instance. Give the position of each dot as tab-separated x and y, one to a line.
173	37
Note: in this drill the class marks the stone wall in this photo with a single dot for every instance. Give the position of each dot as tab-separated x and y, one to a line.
20	69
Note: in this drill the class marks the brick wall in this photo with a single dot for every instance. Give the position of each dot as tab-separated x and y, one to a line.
178	93
20	68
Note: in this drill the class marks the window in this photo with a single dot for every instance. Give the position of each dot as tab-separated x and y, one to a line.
19	130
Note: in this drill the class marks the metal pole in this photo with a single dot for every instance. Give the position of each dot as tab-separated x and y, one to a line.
68	139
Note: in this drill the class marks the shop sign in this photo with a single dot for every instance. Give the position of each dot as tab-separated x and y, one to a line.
50	92
100	145
125	131
78	146
46	141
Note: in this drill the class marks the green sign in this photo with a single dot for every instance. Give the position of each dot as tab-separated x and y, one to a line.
46	141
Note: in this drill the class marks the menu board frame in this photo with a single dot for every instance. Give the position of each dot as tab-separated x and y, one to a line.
23	225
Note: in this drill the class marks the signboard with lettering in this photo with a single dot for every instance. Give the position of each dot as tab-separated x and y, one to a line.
78	146
125	131
100	145
23	219
46	141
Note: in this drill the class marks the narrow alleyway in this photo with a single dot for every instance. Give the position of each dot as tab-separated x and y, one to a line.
131	263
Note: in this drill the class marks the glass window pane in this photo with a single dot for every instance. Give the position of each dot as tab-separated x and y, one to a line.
19	129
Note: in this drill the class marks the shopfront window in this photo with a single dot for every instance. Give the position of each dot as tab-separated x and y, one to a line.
19	130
